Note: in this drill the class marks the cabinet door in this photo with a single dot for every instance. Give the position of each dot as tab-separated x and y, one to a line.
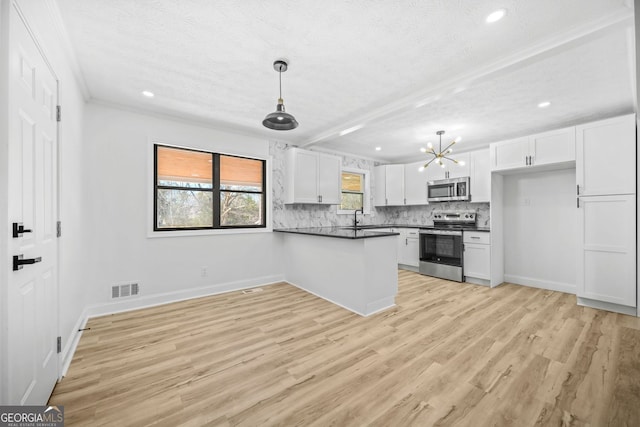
477	261
379	186
435	172
607	249
510	154
458	170
394	183
606	157
304	177
329	168
412	255
557	146
480	184
415	184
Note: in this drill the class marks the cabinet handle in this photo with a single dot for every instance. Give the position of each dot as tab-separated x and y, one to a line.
406	242
578	202
320	197
386	201
405	201
474	237
531	159
577	189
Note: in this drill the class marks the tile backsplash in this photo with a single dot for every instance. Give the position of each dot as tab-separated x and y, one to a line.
310	215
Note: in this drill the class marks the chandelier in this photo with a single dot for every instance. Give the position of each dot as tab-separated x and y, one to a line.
440	155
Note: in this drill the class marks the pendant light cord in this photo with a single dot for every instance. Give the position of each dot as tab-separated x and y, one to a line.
280	80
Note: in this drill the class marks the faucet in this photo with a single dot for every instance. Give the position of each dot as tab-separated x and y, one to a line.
355	216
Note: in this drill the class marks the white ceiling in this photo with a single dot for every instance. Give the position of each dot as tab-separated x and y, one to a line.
400	69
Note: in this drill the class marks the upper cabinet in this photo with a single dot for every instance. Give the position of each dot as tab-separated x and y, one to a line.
389	185
312	177
480	172
415	184
548	148
606	157
451	170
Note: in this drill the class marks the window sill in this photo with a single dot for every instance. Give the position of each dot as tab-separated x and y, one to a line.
350	212
193	233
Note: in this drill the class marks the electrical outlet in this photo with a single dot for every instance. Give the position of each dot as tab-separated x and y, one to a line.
405	214
203	272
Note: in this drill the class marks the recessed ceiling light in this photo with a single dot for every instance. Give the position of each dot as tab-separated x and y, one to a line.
351	129
496	16
544	104
148	94
378	148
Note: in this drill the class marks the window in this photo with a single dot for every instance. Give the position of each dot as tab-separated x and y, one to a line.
352	191
355	190
197	190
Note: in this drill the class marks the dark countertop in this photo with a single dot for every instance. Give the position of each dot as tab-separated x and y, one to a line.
425	227
339	232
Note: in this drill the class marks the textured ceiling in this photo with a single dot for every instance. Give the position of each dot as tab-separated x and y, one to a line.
361	62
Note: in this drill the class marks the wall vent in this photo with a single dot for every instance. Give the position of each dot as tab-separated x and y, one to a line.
125	290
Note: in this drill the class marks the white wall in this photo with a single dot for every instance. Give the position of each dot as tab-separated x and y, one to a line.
72	273
118	171
540	229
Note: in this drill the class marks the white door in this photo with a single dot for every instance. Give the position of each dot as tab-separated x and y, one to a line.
32	172
606	156
607	249
415	184
553	147
329	179
510	154
394	184
305	178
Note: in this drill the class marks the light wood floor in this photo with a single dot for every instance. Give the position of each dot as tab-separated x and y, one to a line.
448	354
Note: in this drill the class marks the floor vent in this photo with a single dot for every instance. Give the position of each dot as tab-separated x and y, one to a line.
125	290
252	291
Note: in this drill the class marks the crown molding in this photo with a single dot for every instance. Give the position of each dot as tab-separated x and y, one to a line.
431	93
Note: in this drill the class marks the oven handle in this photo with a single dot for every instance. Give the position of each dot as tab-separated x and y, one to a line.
442	232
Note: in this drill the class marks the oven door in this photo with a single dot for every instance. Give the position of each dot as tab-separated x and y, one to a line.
441	247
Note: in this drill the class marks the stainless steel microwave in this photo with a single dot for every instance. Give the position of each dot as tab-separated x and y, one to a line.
448	190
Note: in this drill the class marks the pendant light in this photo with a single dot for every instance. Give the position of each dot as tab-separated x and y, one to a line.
441	155
280	119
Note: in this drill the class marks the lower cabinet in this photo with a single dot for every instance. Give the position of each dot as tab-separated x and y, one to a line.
408	247
477	257
607	251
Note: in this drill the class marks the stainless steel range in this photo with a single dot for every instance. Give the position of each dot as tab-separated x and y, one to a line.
441	249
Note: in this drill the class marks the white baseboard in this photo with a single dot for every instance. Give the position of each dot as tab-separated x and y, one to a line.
542	284
72	344
373	308
608	306
151	301
175	296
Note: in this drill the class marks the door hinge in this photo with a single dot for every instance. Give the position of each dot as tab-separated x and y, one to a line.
59	344
58	113
58	228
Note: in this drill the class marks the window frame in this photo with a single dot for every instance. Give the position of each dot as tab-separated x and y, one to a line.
366	195
215	190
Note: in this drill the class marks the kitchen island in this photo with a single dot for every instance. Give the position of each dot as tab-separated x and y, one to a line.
355	269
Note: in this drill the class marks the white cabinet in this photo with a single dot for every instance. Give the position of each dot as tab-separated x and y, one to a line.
408	251
510	154
389	184
451	169
606	186
556	146
477	256
415	184
312	177
606	157
480	173
607	249
547	148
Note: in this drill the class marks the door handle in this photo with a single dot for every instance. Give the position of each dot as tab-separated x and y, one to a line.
19	261
18	229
